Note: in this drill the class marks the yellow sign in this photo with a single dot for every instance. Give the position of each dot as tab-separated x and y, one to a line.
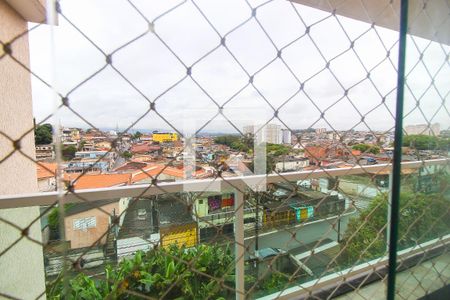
181	236
164	137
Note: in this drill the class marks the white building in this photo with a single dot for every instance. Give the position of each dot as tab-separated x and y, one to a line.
269	133
320	130
434	129
292	164
286	136
45	152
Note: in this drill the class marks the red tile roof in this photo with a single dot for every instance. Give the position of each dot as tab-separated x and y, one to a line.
46	170
152	170
144	148
89	181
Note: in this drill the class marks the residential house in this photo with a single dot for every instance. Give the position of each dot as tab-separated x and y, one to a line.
46	176
103	146
165	173
92	181
215	211
291	164
70	134
79	165
85	224
176	224
146	148
45	152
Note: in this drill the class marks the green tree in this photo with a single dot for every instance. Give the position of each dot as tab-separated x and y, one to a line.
235	142
53	216
137	135
422	217
278	149
43	134
81	145
68	152
365	148
374	150
426	142
127	155
227	139
361	147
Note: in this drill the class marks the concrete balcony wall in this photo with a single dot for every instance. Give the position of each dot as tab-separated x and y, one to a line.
22	267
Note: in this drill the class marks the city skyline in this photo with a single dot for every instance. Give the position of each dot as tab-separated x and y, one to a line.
106	98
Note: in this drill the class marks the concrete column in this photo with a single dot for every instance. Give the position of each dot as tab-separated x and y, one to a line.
22	267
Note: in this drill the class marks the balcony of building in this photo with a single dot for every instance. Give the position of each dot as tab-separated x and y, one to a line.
244	150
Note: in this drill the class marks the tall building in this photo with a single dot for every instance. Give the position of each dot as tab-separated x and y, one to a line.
269	133
434	129
286	136
320	130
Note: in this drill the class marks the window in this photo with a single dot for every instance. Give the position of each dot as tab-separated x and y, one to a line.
141	214
84	223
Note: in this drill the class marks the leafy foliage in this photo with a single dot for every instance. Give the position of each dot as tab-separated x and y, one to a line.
243	144
137	135
53	216
43	134
159	272
68	152
365	148
278	150
422	217
274	283
81	145
127	155
426	142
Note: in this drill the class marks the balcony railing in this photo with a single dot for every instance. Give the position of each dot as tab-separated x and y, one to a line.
330	283
357	89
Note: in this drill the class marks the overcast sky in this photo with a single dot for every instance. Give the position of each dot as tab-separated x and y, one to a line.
107	100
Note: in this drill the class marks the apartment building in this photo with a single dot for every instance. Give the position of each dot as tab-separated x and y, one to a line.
45	152
425	129
265	133
286	136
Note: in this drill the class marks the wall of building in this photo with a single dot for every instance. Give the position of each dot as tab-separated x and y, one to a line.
22	267
180	235
86	238
164	137
296	165
304	234
47	184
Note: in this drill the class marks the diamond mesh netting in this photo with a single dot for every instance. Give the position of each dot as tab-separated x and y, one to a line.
274	176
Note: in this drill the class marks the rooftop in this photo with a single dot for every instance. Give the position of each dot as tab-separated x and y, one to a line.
46	170
92	181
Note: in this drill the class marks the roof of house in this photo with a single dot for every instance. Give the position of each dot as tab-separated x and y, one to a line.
142	148
150	171
46	170
92	181
85	206
131	166
153	170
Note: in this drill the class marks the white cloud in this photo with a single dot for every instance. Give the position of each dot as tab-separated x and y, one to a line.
107	99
